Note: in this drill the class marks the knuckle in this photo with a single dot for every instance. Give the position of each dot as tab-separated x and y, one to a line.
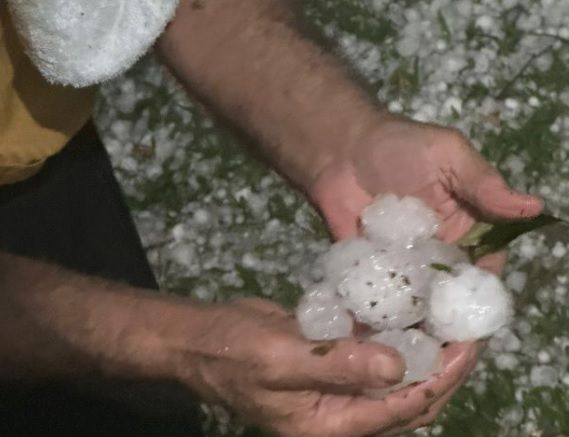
430	417
272	355
457	138
447	143
428	421
452	140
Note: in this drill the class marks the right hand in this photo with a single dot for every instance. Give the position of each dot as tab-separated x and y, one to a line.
428	161
253	358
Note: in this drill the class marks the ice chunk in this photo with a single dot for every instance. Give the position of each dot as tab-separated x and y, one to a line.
451	106
517	280
400	221
544	376
433	251
408	46
421	352
467	304
321	315
342	256
507	361
422	355
386	290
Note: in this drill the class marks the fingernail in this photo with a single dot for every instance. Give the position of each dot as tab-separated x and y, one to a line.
389	369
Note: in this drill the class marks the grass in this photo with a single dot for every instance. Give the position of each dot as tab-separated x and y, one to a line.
174	162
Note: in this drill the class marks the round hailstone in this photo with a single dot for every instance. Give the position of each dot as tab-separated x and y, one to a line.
342	256
400	221
422	353
321	315
386	290
436	253
466	304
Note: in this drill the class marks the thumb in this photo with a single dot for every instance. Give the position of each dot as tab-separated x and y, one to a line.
341	200
337	365
493	262
478	183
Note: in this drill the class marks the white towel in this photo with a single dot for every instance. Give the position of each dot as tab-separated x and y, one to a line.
84	42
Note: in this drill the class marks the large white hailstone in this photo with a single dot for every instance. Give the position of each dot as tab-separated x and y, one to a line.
433	251
422	353
386	290
466	304
400	221
321	315
342	256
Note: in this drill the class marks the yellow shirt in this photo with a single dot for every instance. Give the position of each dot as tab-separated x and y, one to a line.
36	118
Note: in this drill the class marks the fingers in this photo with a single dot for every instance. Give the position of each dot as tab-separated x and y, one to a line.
429	416
494	262
366	416
432	412
492	196
455	226
332	365
475	181
262	305
341	200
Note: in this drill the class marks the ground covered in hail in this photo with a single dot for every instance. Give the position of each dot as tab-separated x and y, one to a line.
217	223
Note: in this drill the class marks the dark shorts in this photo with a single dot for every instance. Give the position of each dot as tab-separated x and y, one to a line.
73	213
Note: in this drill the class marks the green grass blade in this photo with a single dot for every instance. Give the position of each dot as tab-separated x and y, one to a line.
485	238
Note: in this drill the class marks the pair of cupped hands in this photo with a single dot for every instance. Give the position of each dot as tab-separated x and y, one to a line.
262	367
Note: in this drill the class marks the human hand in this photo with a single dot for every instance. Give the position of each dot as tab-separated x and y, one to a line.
252	357
433	163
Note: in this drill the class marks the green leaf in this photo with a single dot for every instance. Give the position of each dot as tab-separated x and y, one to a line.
406	79
485	238
472	238
443	25
441	267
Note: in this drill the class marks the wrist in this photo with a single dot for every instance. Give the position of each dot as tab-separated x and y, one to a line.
176	335
198	342
341	156
76	326
138	345
331	139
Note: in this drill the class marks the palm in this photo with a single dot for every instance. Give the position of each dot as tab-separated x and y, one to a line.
426	161
441	168
409	408
328	400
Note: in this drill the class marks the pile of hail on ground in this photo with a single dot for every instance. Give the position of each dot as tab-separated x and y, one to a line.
398	278
467	53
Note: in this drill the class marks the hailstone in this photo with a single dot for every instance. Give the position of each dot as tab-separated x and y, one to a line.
433	251
467	303
342	256
401	221
398	277
321	315
386	290
422	353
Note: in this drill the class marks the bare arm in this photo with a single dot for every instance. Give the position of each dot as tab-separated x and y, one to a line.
57	324
249	61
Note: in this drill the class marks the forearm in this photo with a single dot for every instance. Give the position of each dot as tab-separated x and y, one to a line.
247	59
55	324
